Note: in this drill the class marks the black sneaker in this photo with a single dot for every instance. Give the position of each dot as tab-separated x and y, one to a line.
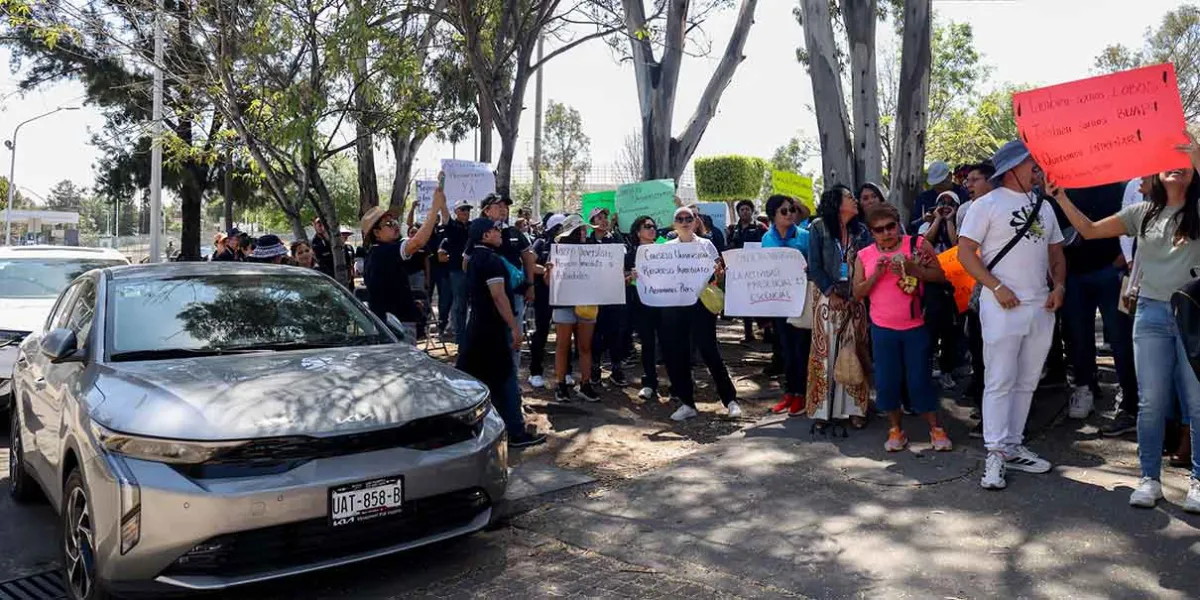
597	375
526	439
588	392
618	378
1121	424
563	393
977	431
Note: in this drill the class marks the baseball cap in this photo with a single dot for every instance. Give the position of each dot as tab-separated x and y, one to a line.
479	227
461	204
938	172
494	198
555	220
597	212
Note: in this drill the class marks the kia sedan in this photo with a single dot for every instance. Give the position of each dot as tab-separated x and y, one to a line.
205	425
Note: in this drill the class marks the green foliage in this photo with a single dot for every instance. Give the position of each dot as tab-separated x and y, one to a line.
791	156
973	133
341	176
1177	40
19	200
566	152
723	178
955	72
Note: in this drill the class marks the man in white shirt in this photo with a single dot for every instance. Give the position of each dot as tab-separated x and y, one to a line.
1016	307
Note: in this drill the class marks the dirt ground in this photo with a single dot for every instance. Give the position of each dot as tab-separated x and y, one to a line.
623	436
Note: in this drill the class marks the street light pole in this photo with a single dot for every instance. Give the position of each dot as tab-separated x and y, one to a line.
12	170
156	148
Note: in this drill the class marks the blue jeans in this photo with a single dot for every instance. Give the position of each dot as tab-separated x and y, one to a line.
1163	372
902	357
458	310
1085	293
507	401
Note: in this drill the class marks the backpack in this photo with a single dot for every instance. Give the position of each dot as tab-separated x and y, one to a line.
1185	305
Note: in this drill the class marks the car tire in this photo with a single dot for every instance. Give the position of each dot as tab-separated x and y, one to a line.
21	485
78	542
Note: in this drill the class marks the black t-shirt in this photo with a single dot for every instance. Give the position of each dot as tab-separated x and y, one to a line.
512	247
227	255
387	283
487	354
324	253
1087	256
416	264
453	240
739	234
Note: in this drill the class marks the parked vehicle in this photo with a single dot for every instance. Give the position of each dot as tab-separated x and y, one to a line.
205	425
31	278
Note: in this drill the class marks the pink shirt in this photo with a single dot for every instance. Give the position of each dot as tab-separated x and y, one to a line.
891	308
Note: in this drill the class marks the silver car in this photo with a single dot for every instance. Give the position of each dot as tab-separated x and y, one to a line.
204	425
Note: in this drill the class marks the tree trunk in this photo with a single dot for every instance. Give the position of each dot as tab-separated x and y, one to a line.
508	148
486	122
328	215
368	185
298	227
227	193
190	204
405	145
837	153
912	110
860	17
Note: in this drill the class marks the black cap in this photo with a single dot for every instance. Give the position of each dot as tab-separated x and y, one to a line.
233	231
479	227
494	198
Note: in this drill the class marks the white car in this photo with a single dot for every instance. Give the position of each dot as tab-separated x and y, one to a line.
31	278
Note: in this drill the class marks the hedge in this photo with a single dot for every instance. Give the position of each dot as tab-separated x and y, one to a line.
726	178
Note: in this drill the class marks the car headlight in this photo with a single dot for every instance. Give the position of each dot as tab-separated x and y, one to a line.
473	416
175	452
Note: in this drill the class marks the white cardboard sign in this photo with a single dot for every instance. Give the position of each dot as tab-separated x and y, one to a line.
467	180
425	191
765	282
673	274
587	274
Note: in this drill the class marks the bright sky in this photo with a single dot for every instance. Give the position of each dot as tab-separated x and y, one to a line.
1034	41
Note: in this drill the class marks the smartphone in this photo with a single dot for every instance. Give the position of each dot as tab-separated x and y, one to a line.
441	180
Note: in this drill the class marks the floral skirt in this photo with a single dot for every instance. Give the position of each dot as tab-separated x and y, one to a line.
827	399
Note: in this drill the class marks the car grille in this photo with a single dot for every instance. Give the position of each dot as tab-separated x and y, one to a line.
307	542
274	455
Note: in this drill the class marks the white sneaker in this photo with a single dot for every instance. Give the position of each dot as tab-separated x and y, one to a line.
537	381
993	472
1082	402
684	413
647	393
570	379
1147	494
735	411
1192	503
1024	459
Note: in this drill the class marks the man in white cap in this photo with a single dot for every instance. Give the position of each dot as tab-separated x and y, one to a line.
1017	234
938	176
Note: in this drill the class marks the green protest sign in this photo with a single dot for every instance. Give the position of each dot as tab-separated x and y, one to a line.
655	199
606	199
796	186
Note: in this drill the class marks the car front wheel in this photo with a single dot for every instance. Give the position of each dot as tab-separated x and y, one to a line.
20	484
78	538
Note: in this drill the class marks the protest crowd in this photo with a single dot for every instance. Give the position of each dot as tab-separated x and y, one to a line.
990	291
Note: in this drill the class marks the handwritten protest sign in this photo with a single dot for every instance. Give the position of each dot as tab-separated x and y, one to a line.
767	282
957	276
796	186
719	211
606	199
751	245
673	274
467	180
424	198
587	274
655	199
1104	129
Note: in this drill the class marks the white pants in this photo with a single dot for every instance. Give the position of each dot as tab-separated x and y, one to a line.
1014	351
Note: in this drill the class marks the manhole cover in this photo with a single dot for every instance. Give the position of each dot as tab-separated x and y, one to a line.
40	586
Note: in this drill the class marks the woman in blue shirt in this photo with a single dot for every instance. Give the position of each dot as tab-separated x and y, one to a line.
794	341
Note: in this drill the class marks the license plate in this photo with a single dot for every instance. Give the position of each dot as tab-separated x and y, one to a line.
365	500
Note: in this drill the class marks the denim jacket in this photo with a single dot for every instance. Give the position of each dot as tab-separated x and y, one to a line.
825	258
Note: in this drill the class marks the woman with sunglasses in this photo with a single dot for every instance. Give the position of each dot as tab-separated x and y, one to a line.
794	342
647	320
383	273
695	324
839	321
898	266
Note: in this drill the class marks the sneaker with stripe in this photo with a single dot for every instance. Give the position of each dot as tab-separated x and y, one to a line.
1024	459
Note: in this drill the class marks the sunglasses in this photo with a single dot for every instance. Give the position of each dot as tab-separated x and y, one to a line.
684	219
786	211
649	226
886	228
389	223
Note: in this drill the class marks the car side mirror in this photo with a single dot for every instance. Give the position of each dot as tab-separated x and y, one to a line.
401	330
60	345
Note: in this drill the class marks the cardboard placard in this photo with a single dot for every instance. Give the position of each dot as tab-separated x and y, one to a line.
957	276
587	274
467	180
718	211
796	186
673	274
766	282
424	199
655	199
606	199
1104	129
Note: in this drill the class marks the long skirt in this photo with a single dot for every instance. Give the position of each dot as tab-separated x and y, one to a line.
827	399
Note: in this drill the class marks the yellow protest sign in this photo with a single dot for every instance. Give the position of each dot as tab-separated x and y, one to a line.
796	186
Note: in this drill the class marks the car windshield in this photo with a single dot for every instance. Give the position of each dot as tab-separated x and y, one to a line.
214	314
44	277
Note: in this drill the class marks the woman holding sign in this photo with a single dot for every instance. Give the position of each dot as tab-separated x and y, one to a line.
794	342
579	321
647	319
1167	229
695	324
839	324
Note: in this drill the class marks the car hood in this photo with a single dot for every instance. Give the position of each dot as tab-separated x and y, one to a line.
24	314
306	392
